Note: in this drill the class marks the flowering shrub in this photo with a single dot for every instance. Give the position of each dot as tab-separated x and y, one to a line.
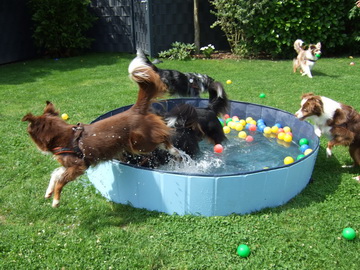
207	50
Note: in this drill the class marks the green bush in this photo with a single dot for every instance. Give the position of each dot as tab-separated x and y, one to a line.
60	26
179	51
270	27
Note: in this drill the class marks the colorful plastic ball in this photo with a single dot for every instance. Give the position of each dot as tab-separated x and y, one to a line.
304	147
267	130
274	129
65	116
287	129
260	121
243	251
253	122
226	116
228	120
352	64
288	160
242	135
318	55
281	130
287	138
303	141
349	233
252	127
228	82
281	136
239	126
249	138
308	151
231	124
278	125
249	119
300	156
235	118
261	127
226	129
262	95
218	148
243	122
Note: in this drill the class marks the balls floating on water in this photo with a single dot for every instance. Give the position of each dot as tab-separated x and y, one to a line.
252	127
249	119
267	130
242	135
308	151
262	95
239	126
243	251
249	138
65	116
228	82
288	160
281	136
300	156
349	233
218	148
243	122
287	138
304	147
274	129
287	129
226	129
303	141
231	124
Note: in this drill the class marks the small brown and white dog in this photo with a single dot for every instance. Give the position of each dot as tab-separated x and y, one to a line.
76	147
340	123
307	57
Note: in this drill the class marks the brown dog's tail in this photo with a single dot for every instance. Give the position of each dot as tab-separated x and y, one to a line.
150	84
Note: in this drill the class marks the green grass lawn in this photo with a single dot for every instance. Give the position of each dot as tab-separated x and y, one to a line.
88	232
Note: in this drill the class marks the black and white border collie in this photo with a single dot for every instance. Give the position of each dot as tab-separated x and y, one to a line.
179	83
340	123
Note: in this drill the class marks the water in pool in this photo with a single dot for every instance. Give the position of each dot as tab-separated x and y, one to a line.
238	155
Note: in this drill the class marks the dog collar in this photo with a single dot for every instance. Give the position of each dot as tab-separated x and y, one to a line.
64	151
311	60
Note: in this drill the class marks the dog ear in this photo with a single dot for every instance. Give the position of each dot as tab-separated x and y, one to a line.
307	95
50	109
29	117
318	45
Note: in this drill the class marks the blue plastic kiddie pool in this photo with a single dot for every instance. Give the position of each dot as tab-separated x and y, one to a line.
215	194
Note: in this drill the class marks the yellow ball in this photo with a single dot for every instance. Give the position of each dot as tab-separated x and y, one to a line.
249	119
235	118
288	160
226	129
281	136
287	138
287	129
274	129
308	151
239	126
231	124
242	135
253	122
228	82
267	130
243	122
65	116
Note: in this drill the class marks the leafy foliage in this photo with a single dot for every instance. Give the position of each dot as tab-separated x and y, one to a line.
179	51
60	26
270	27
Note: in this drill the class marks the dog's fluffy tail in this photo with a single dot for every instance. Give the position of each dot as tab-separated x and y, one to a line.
150	84
298	45
218	100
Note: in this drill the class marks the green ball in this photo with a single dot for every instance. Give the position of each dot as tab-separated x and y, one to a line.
303	141
262	95
318	55
349	233
243	251
300	156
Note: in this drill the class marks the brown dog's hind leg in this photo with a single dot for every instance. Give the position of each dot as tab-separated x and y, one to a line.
68	175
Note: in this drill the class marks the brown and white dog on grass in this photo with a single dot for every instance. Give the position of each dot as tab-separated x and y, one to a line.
307	57
76	147
340	123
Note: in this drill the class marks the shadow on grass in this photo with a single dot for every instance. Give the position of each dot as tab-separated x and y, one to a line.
33	70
